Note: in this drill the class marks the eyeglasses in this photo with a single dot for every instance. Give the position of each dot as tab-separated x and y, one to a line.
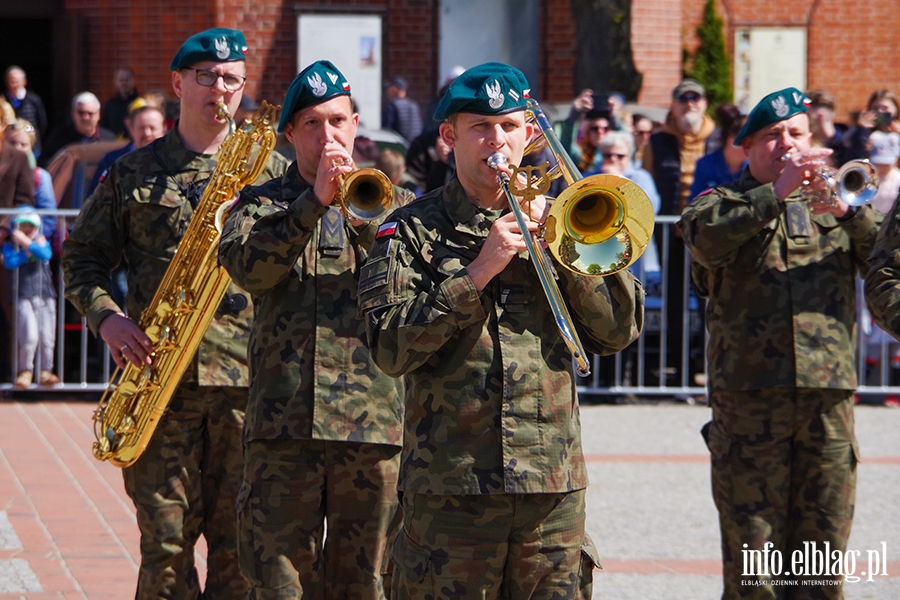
685	98
209	78
611	155
598	128
641	132
17	127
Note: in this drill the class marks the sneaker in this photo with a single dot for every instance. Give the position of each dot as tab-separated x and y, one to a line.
48	378
23	380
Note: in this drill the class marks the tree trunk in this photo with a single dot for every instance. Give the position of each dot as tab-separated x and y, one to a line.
603	57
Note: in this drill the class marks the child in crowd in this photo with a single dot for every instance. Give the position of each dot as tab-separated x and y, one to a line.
29	251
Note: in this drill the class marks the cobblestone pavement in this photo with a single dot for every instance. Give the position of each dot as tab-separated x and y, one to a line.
67	530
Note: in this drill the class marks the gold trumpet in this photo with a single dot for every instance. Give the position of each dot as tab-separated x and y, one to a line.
599	225
365	194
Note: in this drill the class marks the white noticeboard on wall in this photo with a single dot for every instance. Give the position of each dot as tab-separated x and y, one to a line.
767	59
353	44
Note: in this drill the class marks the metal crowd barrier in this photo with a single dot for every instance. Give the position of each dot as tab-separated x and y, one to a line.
644	369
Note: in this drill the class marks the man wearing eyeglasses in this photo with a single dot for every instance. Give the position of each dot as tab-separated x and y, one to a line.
186	482
82	128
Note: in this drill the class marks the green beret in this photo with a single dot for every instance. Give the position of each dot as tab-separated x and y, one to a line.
219	45
317	83
489	89
775	107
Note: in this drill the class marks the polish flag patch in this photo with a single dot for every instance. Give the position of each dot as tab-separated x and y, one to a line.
386	230
346	86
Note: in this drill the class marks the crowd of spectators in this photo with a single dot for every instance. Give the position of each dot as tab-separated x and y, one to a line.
673	159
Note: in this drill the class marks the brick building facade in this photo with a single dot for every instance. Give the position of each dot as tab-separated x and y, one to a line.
850	43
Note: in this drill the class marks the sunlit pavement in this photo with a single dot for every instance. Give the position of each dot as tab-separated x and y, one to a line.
67	529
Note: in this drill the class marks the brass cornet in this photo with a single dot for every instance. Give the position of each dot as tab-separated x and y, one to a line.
365	194
855	183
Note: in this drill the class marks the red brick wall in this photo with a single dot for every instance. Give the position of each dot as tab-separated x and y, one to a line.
656	42
851	43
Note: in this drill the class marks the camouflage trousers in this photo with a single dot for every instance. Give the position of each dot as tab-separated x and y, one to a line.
184	485
293	490
493	546
783	472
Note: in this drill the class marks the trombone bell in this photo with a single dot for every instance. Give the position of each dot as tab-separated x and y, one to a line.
599	225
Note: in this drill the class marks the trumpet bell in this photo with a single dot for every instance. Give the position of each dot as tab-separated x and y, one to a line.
857	182
366	194
599	225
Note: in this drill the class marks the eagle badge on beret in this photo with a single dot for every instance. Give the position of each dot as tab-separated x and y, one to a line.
494	93
780	107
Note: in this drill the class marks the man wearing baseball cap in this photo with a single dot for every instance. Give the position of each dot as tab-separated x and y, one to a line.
323	430
780	271
492	473
186	482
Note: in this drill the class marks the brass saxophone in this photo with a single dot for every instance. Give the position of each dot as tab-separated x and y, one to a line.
185	302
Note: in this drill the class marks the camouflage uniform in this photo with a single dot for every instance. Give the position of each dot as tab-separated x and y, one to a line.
491	411
187	481
782	339
322	432
882	292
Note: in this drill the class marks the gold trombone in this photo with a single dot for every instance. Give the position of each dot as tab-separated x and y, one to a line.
365	194
598	226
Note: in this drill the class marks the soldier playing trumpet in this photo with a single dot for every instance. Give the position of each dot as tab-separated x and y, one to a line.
322	436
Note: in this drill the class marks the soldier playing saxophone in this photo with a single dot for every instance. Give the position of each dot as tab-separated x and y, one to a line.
186	484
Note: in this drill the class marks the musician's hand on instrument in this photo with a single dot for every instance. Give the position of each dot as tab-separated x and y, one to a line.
838	208
800	167
334	162
126	340
504	241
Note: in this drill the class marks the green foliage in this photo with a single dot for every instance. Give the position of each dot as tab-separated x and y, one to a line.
711	65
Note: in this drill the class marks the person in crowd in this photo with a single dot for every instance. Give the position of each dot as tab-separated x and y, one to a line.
430	125
884	151
16	189
186	483
615	151
145	123
82	128
641	129
26	103
592	115
28	252
725	164
492	475
323	429
779	272
401	113
22	136
115	110
880	115
826	132
393	165
671	157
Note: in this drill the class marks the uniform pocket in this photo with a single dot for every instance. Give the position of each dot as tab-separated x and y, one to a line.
837	480
410	559
719	449
590	560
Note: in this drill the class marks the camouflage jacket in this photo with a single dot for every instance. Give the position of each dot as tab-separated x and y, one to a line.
882	289
138	214
490	397
311	374
781	284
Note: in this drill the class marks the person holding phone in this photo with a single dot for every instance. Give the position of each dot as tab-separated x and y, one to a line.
880	115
